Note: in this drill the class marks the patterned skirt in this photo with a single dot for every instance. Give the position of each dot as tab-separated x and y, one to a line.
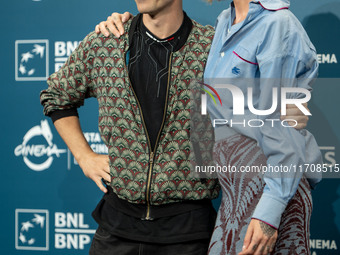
240	195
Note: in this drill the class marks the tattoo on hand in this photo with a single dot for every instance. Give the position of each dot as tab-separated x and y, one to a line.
273	246
267	230
262	249
255	247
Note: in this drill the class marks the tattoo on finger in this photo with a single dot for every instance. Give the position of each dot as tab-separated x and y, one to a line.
262	249
273	246
255	247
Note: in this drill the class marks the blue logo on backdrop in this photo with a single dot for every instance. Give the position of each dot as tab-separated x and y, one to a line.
31	229
31	60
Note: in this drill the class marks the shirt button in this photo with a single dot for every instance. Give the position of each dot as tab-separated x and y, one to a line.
222	54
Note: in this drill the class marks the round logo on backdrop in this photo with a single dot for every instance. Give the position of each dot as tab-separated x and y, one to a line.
37	148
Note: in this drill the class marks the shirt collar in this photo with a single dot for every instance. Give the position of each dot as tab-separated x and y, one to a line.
274	5
257	6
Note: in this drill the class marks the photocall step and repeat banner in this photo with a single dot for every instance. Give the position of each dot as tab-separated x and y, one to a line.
46	201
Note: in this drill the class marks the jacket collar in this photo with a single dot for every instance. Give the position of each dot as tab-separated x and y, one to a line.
134	23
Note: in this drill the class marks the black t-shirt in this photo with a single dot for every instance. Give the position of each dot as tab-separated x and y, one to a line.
172	223
149	62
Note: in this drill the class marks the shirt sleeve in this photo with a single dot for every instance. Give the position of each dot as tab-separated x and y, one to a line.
68	87
285	148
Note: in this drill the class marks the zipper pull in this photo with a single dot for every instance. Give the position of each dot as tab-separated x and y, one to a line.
151	157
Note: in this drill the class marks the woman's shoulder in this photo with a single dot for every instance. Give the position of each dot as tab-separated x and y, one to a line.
284	36
289	26
282	19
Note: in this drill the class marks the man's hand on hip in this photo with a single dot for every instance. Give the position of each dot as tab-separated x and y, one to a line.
96	167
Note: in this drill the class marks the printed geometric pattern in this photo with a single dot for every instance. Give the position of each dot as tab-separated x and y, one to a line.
97	69
241	193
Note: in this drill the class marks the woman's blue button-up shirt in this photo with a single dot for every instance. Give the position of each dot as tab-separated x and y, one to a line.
268	49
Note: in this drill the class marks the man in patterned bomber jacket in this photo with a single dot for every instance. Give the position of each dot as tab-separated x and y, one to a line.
141	80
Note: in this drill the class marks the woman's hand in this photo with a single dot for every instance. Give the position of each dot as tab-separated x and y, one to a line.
294	113
260	239
114	24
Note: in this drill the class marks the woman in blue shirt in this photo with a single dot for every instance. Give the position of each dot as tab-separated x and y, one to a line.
261	45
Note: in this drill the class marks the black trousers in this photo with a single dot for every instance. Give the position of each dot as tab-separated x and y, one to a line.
104	243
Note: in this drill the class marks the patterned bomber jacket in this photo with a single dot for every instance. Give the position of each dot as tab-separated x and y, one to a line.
97	68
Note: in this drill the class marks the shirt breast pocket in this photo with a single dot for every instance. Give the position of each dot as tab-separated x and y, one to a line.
244	63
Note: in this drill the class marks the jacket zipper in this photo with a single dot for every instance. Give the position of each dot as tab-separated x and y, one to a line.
148	193
152	153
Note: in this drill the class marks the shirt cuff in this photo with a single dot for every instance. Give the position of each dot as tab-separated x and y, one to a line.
58	114
269	210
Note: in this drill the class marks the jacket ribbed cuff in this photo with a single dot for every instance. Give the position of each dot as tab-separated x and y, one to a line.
58	114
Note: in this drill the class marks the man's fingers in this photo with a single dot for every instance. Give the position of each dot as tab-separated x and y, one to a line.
106	177
100	185
97	168
99	175
107	169
126	16
111	24
117	20
103	29
106	163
